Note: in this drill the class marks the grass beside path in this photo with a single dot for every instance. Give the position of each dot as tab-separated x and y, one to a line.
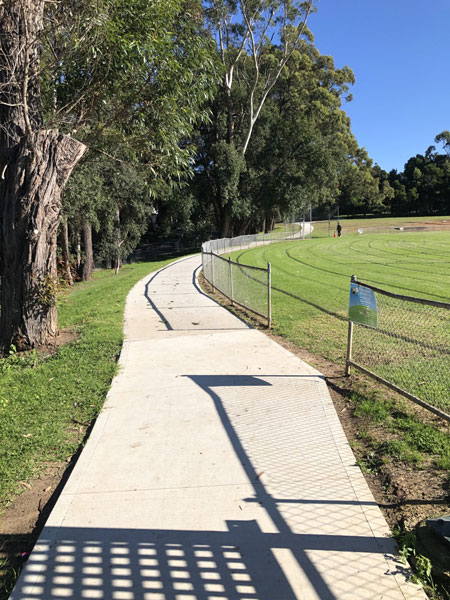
44	400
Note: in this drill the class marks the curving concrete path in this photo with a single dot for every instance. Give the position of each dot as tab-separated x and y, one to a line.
218	470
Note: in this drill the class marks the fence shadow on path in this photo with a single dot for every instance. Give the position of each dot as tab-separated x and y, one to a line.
239	562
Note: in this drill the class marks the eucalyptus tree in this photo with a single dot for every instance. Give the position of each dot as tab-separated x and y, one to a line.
35	165
74	74
124	217
304	138
444	138
359	191
246	32
423	187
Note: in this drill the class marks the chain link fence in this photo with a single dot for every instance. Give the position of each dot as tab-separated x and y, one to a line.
404	344
247	286
288	231
244	285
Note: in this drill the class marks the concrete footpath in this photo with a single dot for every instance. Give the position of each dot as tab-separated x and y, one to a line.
218	470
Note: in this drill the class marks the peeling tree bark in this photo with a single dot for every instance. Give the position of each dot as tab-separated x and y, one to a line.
34	166
30	212
64	243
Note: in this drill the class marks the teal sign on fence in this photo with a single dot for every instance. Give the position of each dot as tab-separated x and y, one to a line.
363	306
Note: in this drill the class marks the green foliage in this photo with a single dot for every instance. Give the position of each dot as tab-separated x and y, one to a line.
131	80
9	573
369	462
422	566
298	141
228	166
374	408
423	186
423	437
401	450
48	290
117	72
124	219
17	361
180	214
443	462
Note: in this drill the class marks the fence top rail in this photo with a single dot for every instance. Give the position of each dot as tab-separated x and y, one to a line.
402	297
227	260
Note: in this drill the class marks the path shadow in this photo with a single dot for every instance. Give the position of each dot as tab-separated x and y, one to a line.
239	561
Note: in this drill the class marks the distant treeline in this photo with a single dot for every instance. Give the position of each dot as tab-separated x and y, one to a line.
422	188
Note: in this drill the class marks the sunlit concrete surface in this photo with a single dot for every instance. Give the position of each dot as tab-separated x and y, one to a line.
218	470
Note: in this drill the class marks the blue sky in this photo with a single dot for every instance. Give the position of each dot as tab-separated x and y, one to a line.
399	53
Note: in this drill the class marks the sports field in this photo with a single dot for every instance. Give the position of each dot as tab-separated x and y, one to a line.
310	280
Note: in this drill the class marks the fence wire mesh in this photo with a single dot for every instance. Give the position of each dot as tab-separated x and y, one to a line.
409	347
288	231
251	288
246	285
242	284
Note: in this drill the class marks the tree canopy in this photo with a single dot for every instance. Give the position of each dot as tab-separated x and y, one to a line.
110	77
222	116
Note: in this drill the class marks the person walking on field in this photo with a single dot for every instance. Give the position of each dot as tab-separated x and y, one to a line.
339	229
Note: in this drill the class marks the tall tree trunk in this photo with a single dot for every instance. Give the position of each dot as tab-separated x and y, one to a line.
64	241
244	226
78	251
118	242
225	221
34	167
230	124
88	264
30	212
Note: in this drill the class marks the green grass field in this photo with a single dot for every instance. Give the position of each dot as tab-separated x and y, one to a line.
311	278
374	224
377	224
310	295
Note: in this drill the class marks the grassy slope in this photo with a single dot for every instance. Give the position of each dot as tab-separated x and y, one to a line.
43	404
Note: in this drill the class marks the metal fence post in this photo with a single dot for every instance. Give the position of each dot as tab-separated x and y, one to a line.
212	269
269	295
349	347
230	270
349	339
